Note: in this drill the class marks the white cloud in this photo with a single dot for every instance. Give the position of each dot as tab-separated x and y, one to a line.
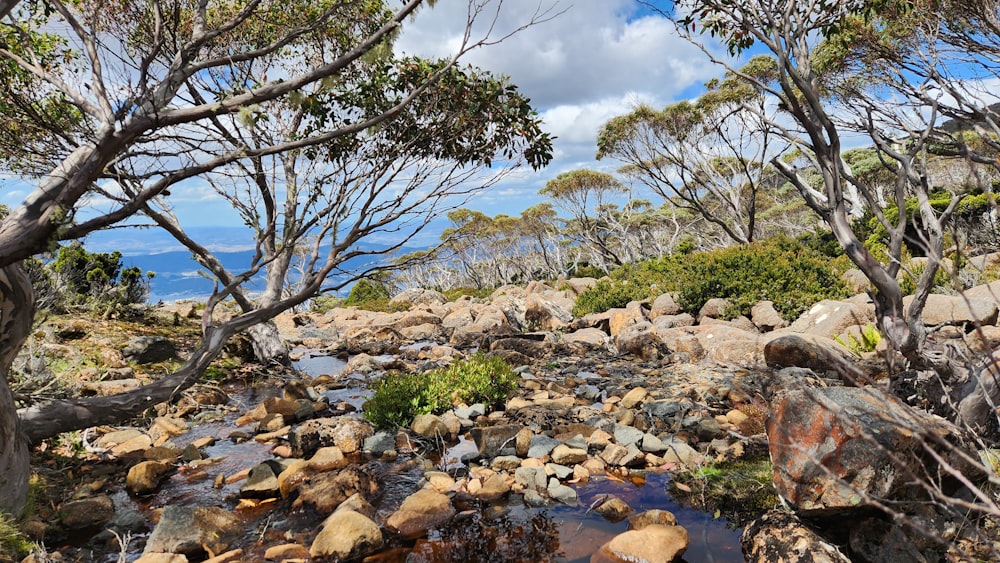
594	61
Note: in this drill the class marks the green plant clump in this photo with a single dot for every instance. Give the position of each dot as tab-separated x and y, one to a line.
372	295
778	269
866	342
738	490
14	545
398	398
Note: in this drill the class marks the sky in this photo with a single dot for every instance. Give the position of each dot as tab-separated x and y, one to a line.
589	62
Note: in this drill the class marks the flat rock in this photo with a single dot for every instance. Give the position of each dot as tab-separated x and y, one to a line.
652	544
194	530
346	535
421	511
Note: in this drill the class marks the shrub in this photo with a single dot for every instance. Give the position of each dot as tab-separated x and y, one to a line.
398	398
367	290
778	269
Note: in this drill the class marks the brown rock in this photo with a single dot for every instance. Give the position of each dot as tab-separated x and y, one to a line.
650	517
829	318
326	491
421	511
780	537
429	425
346	535
347	433
144	477
286	551
613	509
652	544
956	309
87	512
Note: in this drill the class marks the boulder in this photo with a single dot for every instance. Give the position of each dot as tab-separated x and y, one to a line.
414	318
194	530
87	512
347	433
149	350
429	426
766	318
620	319
662	306
144	477
652	544
579	285
459	317
326	491
418	297
780	537
714	308
548	310
345	535
956	309
639	340
829	318
613	509
833	448
818	353
421	511
593	337
490	439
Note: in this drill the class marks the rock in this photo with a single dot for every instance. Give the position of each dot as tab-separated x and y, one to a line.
414	318
87	512
194	530
429	426
362	363
490	439
565	455
678	451
379	443
627	435
714	308
652	544
818	353
765	317
580	285
347	433
594	337
956	309
780	537
285	552
149	350
834	447
144	477
346	535
493	488
421	511
651	517
439	481
418	297
263	481
542	445
151	558
561	493
634	397
874	539
325	491
829	318
664	305
620	319
613	509
548	310
708	429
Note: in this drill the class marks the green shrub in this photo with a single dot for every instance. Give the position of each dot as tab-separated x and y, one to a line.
13	544
398	398
324	303
778	269
366	290
868	341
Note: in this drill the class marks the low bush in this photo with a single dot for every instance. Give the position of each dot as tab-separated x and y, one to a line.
372	295
398	398
779	269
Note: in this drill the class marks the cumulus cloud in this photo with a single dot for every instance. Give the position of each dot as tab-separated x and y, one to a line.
594	60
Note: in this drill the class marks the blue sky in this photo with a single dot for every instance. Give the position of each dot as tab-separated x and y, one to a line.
596	60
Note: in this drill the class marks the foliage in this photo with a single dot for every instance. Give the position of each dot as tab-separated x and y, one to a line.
778	269
738	490
94	281
324	303
866	342
14	545
458	292
398	398
366	290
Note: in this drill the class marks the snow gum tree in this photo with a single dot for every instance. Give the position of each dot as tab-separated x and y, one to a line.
114	101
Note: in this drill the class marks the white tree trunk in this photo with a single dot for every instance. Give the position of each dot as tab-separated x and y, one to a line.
16	313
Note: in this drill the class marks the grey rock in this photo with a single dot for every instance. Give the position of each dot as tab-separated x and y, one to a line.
561	493
149	350
627	435
379	443
542	445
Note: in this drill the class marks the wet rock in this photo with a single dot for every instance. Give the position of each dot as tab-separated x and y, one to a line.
493	488
652	544
421	511
780	537
325	491
285	552
87	512
651	517
144	477
561	493
613	509
194	530
439	481
834	447
263	481
346	433
490	439
429	426
346	535
379	443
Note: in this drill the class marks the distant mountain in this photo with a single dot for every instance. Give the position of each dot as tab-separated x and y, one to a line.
178	276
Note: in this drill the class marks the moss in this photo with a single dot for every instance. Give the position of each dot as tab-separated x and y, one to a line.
738	491
14	545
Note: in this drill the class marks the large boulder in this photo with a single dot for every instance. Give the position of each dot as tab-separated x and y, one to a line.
807	351
780	537
346	534
194	530
347	433
766	318
418	297
421	511
652	544
620	319
149	350
835	449
829	318
956	309
548	310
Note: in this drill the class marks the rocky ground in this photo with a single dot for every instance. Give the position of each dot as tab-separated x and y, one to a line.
613	396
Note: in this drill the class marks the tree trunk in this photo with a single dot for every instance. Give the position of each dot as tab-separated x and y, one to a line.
17	308
268	348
